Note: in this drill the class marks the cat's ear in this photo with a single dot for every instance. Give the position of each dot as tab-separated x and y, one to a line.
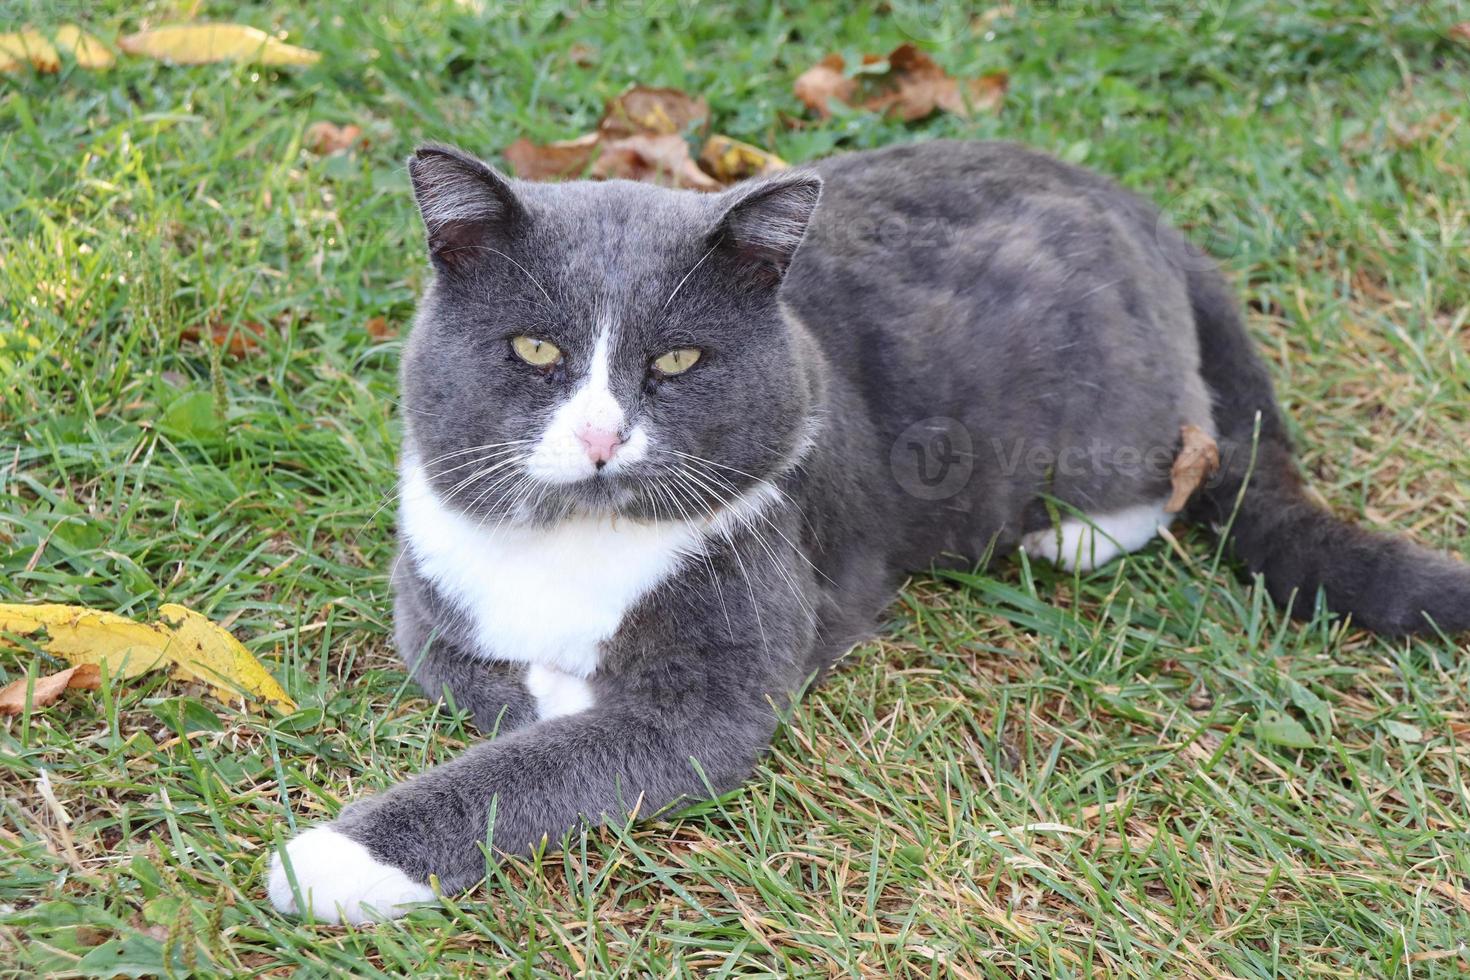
467	207
766	220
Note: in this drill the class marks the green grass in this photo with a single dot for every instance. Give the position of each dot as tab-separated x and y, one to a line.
1026	774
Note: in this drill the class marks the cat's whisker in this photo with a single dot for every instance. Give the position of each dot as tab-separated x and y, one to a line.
473	449
508	479
725	504
527	272
786	575
392	495
669	490
691	272
733	490
397	492
482	473
749	476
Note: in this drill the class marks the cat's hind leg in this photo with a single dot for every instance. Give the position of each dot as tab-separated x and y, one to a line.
1090	542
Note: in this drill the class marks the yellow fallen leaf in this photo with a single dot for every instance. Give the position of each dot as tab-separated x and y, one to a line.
730	160
204	651
197	648
87	677
87	49
28	48
202	44
90	636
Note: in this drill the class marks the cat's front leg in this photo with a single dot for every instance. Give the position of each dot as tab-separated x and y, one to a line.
625	755
436	645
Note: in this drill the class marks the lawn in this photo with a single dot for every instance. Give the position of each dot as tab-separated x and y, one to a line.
1142	771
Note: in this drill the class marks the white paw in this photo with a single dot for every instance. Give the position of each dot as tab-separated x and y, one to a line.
1097	540
341	881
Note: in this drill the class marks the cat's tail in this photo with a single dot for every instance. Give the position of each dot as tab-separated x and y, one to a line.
1386	582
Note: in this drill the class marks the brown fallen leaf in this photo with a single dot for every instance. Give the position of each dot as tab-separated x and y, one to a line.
729	160
582	55
28	48
912	86
642	110
238	339
552	161
1461	31
986	93
202	44
325	138
821	83
86	49
1197	461
84	677
641	136
661	160
379	328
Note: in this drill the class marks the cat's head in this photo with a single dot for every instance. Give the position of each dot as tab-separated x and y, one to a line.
604	347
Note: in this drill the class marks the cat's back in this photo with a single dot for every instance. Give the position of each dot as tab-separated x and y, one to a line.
961	262
915	225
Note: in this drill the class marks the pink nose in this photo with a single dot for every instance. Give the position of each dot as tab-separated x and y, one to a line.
601	444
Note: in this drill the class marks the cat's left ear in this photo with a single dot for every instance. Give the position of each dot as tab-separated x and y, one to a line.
466	205
766	220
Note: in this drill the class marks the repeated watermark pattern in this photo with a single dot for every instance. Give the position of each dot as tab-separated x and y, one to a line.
935	459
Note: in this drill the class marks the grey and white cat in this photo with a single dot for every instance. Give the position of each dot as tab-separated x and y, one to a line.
668	455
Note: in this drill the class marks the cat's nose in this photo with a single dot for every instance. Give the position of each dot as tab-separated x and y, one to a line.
601	444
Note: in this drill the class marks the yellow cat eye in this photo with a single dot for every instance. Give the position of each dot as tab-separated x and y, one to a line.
677	361
537	353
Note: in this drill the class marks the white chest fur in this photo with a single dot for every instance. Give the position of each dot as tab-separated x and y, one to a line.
544	597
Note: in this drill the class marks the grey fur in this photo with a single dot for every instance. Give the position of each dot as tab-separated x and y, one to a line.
1036	312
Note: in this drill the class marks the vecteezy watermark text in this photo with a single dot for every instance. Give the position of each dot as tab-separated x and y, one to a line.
939	458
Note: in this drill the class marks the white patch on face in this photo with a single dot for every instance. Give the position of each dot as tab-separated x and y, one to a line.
550	596
557	693
1092	543
560	455
340	881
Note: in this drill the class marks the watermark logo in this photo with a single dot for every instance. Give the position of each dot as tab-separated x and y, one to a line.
933	458
932	21
1210	223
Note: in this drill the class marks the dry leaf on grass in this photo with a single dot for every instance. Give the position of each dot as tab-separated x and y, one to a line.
196	648
641	136
821	83
1461	31
325	138
89	636
86	49
582	55
654	159
202	44
1197	461
552	161
28	48
48	689
203	651
729	160
642	110
238	339
379	328
912	86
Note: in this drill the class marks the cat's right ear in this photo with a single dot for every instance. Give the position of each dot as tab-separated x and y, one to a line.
767	220
467	207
